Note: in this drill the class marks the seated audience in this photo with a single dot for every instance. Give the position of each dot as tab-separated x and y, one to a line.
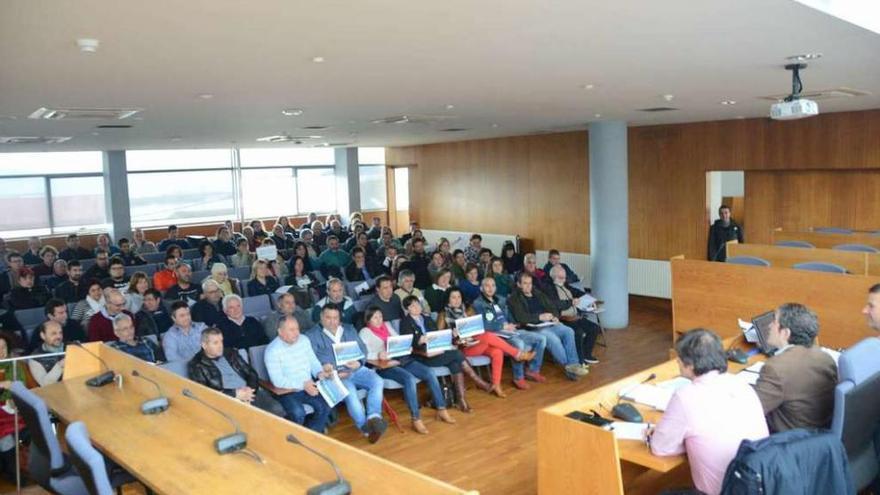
93	303
513	261
335	295
554	259
472	252
56	311
359	270
333	260
247	233
413	226
406	287
303	284
208	256
531	308
46	264
386	300
184	290
470	284
243	256
152	319
127	342
540	280
183	340
240	331
59	275
416	324
710	417
438	292
74	251
354	374
128	254
486	344
386	242
503	281
459	262
375	230
404	370
223	369
872	308
134	292
33	254
284	222
418	263
438	262
208	309
301	250
117	279
293	367
279	237
100	327
9	279
566	298
220	274
103	242
485	260
796	385
27	294
173	240
494	312
47	370
319	237
76	287
385	262
141	245
101	269
261	282
287	306
223	244
166	278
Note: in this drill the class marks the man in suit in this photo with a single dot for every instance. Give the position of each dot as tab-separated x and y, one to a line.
796	385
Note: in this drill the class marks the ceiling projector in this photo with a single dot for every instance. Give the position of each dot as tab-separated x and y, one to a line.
793	106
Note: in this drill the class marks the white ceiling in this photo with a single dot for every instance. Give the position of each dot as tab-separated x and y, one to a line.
519	64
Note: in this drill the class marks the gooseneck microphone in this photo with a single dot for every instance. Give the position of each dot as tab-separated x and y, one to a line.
102	379
337	487
153	406
226	444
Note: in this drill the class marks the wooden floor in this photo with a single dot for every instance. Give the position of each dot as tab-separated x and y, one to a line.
493	449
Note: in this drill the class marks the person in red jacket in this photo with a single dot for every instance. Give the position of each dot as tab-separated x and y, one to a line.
101	324
167	278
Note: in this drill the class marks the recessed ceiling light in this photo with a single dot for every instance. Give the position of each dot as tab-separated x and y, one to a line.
292	112
728	102
318	60
450	107
176	139
598	115
587	87
803	57
96	133
205	96
88	45
668	97
494	126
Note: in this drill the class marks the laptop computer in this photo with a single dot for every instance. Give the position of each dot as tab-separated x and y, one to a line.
762	324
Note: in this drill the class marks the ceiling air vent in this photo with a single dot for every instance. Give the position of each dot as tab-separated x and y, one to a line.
33	139
413	119
83	113
658	109
113	126
331	145
316	127
286	139
454	129
822	94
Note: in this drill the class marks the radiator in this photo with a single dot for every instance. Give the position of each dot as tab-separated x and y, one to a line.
646	277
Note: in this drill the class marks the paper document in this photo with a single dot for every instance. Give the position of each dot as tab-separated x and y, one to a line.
438	341
755	368
587	303
629	431
283	289
674	384
303	282
361	287
541	325
332	390
649	395
748	377
269	253
749	331
399	345
470	326
347	352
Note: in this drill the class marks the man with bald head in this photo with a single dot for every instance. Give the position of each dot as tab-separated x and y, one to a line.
100	327
45	367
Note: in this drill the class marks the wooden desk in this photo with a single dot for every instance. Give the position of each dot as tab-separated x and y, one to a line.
713	295
173	452
786	257
827	241
579	458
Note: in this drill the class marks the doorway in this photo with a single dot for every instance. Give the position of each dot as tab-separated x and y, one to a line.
398	179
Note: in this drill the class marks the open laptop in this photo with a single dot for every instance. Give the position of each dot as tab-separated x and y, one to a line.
762	325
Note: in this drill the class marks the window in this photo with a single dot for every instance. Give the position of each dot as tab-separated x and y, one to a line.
71	162
78	203
268	192
24	206
180	197
286	157
401	188
142	160
374	195
371	156
316	190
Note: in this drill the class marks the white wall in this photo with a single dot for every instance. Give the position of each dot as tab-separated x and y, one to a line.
733	183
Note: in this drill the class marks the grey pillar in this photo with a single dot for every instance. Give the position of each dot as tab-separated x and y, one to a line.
609	220
348	182
116	194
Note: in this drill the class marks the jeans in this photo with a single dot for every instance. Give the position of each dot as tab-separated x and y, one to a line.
524	340
293	406
560	341
365	379
408	374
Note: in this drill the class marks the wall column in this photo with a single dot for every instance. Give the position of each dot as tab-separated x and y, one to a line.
116	195
609	220
348	182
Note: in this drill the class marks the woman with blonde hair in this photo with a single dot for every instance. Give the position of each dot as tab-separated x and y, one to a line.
220	274
262	281
134	293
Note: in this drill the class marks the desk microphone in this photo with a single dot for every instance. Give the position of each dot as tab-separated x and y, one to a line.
103	378
337	487
226	444
626	411
153	406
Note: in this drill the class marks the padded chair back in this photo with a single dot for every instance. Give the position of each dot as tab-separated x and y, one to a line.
176	367
148	269
796	244
86	264
257	306
199	276
748	260
244	355
29	319
46	458
242	273
395	324
860	248
88	461
361	305
832	230
857	408
256	354
154	257
818	266
189	254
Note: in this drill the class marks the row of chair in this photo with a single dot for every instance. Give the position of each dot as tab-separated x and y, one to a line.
813	266
859	248
837	230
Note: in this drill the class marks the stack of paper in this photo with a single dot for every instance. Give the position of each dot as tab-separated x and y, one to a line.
629	431
649	395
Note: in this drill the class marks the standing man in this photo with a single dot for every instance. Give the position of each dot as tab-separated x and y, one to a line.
724	229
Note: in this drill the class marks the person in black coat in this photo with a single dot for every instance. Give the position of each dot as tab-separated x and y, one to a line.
208	309
240	331
724	229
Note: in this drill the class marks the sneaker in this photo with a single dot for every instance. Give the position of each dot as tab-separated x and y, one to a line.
572	376
535	377
375	428
521	384
591	360
576	369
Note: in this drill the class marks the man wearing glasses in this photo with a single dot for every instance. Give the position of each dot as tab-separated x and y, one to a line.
101	324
